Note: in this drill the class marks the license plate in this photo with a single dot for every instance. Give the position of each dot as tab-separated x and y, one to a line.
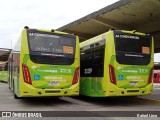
133	83
53	83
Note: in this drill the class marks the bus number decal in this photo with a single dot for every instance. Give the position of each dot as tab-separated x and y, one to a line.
88	71
143	71
65	71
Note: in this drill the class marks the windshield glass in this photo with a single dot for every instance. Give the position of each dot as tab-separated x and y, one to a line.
132	49
46	46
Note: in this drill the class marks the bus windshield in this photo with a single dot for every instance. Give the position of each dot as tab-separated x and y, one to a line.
132	49
46	46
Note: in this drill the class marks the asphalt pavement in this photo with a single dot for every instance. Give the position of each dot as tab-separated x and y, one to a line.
155	96
82	103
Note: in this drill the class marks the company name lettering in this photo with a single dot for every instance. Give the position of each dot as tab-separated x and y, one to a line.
130	71
52	71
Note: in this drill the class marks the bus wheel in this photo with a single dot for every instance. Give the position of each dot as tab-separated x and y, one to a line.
9	84
15	96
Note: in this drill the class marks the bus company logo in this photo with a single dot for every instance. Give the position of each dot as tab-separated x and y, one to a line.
6	114
36	77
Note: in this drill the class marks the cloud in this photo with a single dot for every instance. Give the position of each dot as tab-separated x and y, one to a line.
46	14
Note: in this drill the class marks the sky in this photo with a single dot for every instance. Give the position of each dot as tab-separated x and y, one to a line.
42	14
157	57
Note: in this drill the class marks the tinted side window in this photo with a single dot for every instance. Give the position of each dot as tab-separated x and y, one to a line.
98	61
92	59
86	61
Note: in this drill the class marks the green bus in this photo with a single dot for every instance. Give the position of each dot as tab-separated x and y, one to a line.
4	53
117	63
3	71
45	63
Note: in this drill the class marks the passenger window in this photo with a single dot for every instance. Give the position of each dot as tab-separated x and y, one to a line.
92	59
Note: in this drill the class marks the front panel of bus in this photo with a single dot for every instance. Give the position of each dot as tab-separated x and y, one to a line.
131	68
51	63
